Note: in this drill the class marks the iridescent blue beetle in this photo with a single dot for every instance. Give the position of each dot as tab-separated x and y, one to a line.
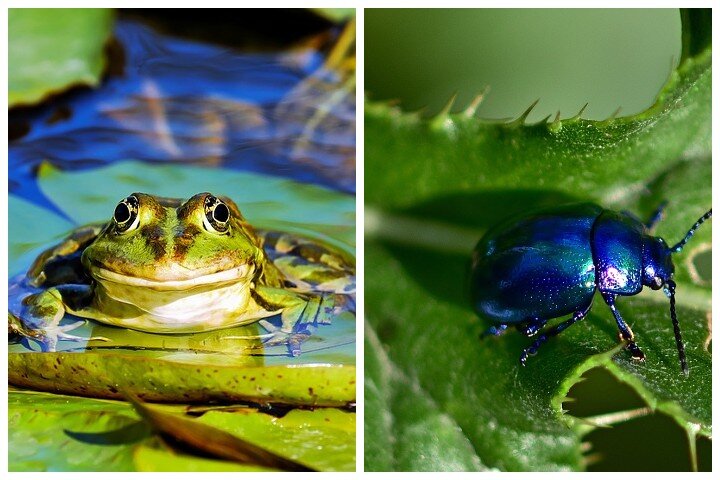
530	270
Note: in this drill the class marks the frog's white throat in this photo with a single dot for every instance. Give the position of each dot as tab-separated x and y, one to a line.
208	302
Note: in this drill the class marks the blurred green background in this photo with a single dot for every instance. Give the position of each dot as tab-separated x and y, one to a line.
565	58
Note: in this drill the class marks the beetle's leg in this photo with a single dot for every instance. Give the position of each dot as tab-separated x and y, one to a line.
626	334
656	216
531	328
495	330
532	349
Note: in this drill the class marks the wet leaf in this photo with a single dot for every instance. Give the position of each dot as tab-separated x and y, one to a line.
155	460
56	432
335	14
107	375
436	185
50	50
323	439
213	441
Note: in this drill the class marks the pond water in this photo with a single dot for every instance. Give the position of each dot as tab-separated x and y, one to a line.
273	131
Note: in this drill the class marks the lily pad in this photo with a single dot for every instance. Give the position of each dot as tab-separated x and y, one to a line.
50	50
335	14
29	237
53	433
147	459
290	435
107	375
437	185
266	201
57	432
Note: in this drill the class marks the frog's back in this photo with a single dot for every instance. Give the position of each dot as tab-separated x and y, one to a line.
536	267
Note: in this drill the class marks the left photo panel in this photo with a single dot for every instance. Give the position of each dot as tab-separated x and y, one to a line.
181	271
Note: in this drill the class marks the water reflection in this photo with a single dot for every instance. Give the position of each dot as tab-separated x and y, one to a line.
189	102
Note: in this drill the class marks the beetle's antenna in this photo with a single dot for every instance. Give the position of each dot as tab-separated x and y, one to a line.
677	248
676	327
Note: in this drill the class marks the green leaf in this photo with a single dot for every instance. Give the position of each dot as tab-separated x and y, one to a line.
434	186
107	375
50	50
332	430
30	237
56	432
214	441
155	460
335	14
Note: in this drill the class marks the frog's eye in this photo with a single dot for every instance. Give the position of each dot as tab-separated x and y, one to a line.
217	215
126	214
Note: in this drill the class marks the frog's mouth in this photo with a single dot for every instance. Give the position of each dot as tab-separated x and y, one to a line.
226	276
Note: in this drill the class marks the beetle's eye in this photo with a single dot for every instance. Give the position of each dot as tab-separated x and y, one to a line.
217	215
126	214
657	283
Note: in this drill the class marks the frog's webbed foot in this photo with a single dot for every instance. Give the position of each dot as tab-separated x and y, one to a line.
41	321
297	320
49	336
278	336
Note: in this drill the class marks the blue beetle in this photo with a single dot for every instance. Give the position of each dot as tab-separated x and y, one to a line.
530	270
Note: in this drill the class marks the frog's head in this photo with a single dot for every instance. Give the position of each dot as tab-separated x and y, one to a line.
167	244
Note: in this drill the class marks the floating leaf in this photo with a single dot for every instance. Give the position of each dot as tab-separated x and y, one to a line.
50	50
57	432
106	375
155	460
332	430
54	433
213	441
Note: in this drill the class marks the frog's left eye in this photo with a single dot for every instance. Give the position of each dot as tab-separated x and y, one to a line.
126	214
217	215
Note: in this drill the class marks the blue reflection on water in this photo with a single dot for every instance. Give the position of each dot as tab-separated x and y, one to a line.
189	102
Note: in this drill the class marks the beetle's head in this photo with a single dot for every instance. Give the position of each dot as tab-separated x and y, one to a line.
657	273
657	262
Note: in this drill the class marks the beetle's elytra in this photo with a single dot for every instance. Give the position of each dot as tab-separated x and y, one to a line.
530	270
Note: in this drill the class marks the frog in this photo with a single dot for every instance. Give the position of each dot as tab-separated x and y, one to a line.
170	266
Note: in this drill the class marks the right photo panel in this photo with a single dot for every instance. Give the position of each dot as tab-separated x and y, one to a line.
538	240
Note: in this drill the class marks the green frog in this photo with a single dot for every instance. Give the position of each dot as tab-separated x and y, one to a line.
164	265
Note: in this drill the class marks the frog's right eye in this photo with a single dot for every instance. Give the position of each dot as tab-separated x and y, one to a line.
126	214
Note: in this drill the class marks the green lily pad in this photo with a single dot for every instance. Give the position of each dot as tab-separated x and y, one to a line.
107	375
57	432
149	459
269	202
436	187
50	50
54	433
335	14
291	435
29	236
